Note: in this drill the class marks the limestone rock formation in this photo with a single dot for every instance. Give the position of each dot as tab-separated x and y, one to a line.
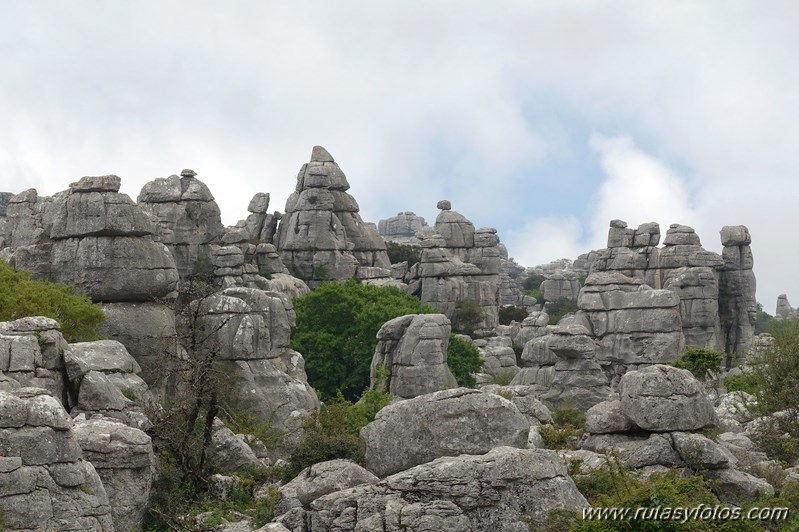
494	491
402	228
124	460
784	308
663	398
188	216
412	349
321	235
46	483
446	423
247	331
30	354
499	358
737	303
319	480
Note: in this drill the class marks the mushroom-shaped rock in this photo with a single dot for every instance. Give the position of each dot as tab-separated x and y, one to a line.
663	398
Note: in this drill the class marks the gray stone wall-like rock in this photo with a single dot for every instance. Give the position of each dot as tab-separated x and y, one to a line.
188	217
412	350
402	228
494	491
46	482
321	235
784	308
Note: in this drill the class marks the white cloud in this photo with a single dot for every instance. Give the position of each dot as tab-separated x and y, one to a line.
545	239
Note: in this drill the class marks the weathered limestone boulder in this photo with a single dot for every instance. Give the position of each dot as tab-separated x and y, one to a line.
412	350
560	286
230	453
188	216
5	199
564	364
247	331
736	487
633	324
700	452
737	300
459	263
495	491
103	379
607	417
524	398
45	483
147	330
321	235
402	228
445	423
319	480
30	354
499	358
103	244
123	457
664	398
635	450
260	225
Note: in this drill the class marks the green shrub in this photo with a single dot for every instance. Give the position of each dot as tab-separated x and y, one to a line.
700	361
333	431
20	297
467	316
568	423
337	328
567	414
403	252
537	294
746	382
533	282
559	308
463	359
510	313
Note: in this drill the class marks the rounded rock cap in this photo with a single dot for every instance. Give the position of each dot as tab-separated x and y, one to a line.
188	172
444	205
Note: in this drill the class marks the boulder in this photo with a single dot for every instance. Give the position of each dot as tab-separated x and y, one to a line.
123	457
412	350
319	480
494	491
445	423
664	398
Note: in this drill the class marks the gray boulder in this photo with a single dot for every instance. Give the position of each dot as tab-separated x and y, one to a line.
413	351
123	457
319	480
664	398
445	423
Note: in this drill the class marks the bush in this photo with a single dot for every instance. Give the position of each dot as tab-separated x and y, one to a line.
559	308
504	376
533	282
510	313
463	359
403	252
333	431
746	382
568	422
467	316
700	361
337	328
20	297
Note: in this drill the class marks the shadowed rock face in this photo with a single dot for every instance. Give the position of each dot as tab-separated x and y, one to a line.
321	235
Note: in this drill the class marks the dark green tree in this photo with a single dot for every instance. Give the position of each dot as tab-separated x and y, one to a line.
463	359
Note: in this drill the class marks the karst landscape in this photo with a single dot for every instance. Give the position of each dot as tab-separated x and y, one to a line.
308	370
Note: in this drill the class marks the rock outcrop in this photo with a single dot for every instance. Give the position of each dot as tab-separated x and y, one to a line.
446	423
46	483
402	228
188	217
737	303
412	349
784	308
124	460
247	332
321	235
494	491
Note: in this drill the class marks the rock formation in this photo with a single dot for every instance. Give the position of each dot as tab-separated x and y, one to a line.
446	423
492	491
784	308
737	303
412	350
188	216
321	235
402	228
46	483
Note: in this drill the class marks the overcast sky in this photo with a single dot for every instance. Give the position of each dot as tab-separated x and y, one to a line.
544	119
